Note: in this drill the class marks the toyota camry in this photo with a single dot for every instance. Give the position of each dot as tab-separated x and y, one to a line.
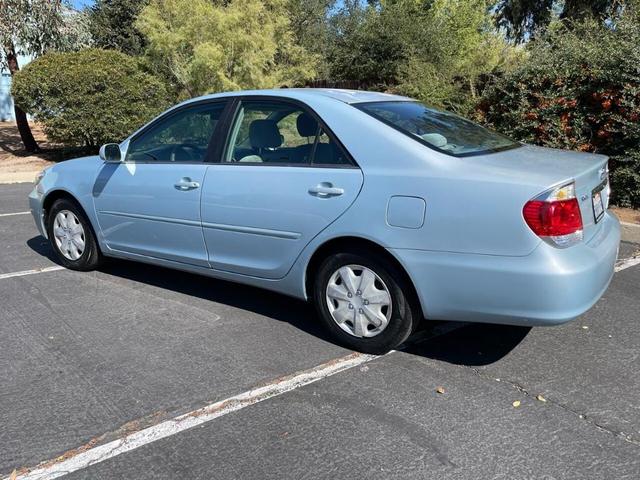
380	210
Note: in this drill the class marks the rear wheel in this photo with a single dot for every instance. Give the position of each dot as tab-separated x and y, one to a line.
365	302
71	236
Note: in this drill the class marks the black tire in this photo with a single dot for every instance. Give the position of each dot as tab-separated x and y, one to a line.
405	309
91	257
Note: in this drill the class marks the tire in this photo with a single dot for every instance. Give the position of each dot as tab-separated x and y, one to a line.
67	248
402	314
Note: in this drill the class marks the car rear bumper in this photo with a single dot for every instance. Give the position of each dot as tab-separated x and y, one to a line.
35	205
550	286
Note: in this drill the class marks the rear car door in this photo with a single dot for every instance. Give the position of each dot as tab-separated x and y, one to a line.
282	179
150	203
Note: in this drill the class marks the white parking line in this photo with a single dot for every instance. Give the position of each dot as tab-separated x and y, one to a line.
31	272
629	262
86	457
12	214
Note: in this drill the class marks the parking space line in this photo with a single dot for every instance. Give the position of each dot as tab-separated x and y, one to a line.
12	214
83	457
31	272
629	262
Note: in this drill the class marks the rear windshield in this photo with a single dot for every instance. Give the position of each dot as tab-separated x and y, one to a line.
442	131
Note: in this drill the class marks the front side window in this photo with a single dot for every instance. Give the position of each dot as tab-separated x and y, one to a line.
443	131
181	137
280	133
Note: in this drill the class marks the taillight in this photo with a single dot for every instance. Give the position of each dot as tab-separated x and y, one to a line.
555	216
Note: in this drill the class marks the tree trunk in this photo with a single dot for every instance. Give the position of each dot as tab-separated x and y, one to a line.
30	144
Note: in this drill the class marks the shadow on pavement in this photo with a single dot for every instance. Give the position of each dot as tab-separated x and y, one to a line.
473	344
262	302
41	246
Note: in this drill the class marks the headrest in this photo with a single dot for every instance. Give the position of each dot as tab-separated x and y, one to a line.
307	126
264	134
435	139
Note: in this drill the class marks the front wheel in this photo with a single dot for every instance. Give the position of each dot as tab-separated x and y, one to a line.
365	302
71	236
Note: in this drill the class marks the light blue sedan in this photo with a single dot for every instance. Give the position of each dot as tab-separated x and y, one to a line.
380	210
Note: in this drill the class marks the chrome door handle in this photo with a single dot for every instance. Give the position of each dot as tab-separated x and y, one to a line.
185	184
325	190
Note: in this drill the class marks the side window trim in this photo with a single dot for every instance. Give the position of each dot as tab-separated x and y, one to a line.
233	109
167	115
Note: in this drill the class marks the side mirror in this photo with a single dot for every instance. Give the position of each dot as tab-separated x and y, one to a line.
110	153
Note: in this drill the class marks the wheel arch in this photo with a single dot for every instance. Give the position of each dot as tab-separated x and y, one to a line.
356	245
57	194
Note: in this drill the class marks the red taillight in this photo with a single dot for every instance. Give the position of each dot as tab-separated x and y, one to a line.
553	218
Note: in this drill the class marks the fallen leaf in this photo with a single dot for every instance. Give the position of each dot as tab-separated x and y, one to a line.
516	404
540	398
14	475
440	389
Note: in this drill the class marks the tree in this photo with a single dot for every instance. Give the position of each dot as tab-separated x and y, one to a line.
310	27
462	45
27	27
204	46
521	18
112	25
74	32
433	50
365	46
89	97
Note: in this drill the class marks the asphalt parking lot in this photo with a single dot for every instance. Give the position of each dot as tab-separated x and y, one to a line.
96	365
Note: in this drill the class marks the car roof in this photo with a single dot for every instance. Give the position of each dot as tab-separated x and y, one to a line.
343	95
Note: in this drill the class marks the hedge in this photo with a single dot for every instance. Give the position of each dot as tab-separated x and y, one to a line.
89	97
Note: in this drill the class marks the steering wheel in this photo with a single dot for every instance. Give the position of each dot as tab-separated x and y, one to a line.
192	152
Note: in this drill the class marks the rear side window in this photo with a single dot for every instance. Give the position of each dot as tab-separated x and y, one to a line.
272	132
327	152
440	130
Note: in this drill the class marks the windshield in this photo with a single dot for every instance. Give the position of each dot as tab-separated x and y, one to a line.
440	130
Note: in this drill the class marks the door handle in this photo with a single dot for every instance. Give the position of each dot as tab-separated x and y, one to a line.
326	190
185	184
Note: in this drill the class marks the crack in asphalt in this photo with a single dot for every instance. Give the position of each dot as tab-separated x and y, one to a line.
582	416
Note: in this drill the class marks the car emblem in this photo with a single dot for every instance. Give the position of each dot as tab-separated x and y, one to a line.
602	172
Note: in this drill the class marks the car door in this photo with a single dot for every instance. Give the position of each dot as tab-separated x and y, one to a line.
150	203
282	179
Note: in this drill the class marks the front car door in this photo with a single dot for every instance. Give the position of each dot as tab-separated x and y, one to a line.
150	203
282	179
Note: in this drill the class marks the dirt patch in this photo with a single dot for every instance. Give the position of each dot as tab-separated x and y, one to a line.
16	164
627	215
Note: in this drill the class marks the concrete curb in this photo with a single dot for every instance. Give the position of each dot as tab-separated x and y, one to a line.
18	177
630	232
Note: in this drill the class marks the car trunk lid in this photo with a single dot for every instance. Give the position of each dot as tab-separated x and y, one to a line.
547	168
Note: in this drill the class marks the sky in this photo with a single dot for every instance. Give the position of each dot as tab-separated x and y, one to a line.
79	4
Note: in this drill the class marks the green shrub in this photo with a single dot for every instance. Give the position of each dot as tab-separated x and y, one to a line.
88	98
579	90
